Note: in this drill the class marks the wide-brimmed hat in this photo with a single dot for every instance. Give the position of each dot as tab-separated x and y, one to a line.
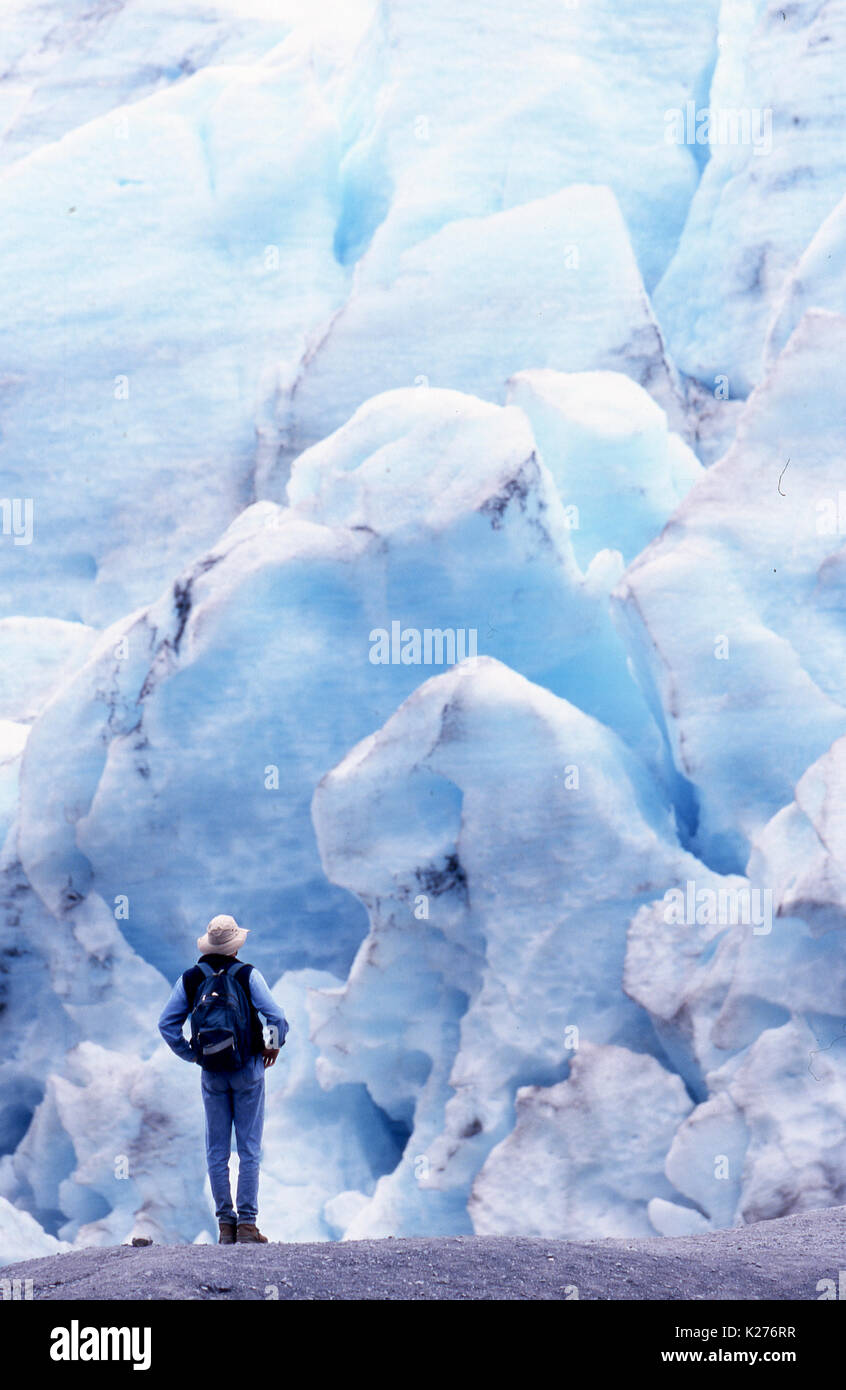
223	937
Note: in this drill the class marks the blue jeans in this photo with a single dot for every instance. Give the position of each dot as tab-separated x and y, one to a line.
234	1097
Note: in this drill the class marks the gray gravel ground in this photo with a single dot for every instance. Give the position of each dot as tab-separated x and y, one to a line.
782	1259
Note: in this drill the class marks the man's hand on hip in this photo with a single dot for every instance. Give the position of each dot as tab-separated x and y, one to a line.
270	1054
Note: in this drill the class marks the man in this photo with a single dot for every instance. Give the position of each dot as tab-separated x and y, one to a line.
229	1095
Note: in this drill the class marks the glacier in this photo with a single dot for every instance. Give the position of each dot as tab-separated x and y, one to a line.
761	199
434	457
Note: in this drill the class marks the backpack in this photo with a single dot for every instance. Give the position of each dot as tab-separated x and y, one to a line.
223	1035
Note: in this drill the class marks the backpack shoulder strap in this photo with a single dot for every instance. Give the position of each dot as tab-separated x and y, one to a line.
191	980
242	975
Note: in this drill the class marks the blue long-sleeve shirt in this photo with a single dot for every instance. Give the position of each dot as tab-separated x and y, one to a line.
176	1011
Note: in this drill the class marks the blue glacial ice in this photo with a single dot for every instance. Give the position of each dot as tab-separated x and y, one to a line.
437	562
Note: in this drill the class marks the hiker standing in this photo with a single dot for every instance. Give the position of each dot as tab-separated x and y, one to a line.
224	997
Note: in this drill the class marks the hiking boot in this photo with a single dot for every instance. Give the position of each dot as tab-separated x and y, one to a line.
249	1234
227	1232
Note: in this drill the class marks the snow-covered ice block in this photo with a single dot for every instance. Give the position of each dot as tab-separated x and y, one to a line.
671	1219
440	476
741	956
734	615
40	964
818	281
773	174
802	851
21	1238
618	469
500	874
586	1157
753	1017
114	1149
323	1150
705	1161
62	982
189	745
420	458
773	1138
703	961
340	1211
550	283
